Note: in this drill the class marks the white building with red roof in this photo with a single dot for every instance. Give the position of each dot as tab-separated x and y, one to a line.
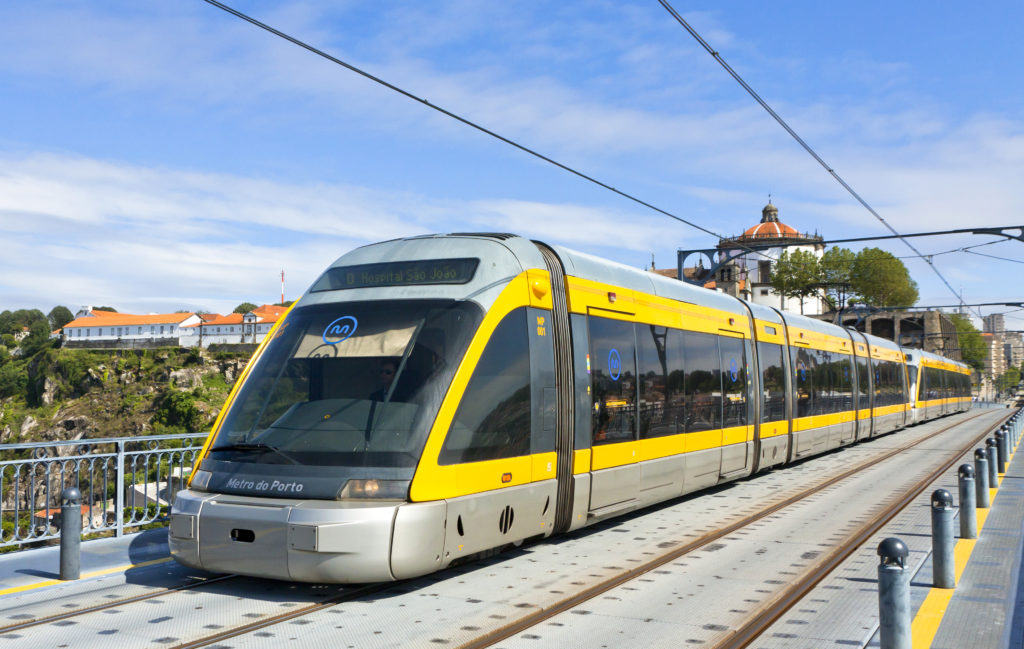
748	275
92	328
234	328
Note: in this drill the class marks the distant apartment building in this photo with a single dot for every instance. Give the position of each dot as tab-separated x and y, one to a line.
235	328
994	323
106	329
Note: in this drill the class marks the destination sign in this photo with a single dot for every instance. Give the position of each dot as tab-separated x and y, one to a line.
398	273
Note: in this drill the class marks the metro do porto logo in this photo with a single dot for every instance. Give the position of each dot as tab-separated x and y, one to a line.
614	364
340	329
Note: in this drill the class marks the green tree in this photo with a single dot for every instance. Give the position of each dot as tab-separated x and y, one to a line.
244	307
836	267
973	349
878	278
796	275
13	380
13	322
1009	380
105	308
59	316
38	338
178	409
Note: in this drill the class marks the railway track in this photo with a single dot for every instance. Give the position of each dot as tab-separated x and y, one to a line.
111	604
743	636
791	595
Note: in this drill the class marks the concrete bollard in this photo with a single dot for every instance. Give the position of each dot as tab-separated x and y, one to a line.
893	595
993	464
968	502
981	477
943	573
70	533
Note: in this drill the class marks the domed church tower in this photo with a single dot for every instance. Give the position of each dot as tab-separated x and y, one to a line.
748	275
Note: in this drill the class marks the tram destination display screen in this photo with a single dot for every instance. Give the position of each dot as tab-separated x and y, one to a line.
398	273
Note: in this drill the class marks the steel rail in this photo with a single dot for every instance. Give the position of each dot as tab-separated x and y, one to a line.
533	619
49	619
284	617
793	594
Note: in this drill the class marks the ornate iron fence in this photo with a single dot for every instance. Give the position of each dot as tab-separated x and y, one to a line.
126	482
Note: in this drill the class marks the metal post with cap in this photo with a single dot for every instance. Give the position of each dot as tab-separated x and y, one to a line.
981	472
1001	447
943	573
70	533
993	463
893	595
968	504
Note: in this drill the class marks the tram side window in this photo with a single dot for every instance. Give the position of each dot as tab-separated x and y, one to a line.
703	382
773	382
613	380
891	387
804	365
863	385
493	418
734	381
824	383
844	395
932	391
922	384
660	375
883	384
834	370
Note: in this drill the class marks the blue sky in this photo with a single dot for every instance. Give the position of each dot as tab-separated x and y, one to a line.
164	156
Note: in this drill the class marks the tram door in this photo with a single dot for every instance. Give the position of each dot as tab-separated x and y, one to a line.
615	474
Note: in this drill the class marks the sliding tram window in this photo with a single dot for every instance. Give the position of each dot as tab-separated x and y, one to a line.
660	378
613	380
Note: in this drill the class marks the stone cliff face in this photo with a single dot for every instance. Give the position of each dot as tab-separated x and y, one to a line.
76	394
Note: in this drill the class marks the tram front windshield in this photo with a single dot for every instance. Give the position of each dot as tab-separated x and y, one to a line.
348	384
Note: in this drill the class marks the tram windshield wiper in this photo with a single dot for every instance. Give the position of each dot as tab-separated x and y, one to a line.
255	446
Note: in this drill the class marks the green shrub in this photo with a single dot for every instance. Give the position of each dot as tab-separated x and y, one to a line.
178	409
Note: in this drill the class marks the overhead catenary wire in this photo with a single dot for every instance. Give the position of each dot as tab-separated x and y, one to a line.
981	254
470	123
962	249
718	57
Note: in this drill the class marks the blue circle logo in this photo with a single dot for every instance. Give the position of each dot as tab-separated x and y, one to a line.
734	369
340	329
614	364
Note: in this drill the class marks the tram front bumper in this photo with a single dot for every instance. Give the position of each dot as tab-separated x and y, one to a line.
295	540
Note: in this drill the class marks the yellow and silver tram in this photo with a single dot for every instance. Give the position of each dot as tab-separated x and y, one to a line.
432	398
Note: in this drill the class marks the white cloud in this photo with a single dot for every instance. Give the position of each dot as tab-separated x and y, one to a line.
84	231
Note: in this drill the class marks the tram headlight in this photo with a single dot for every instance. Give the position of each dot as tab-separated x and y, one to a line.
373	488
